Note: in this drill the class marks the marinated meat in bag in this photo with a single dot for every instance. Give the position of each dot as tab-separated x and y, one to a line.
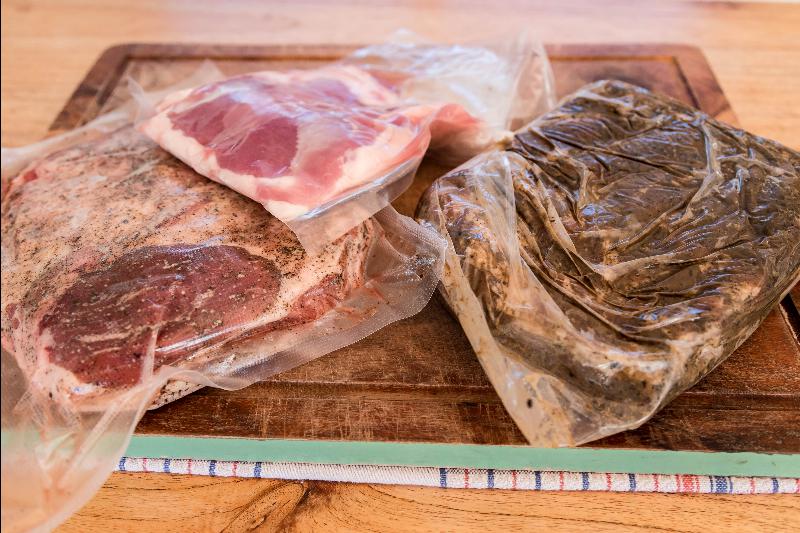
118	259
616	252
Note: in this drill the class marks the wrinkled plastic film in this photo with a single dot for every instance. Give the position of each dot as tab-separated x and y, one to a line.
619	250
325	223
502	83
129	281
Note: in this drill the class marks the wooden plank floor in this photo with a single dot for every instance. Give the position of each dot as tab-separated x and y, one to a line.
48	45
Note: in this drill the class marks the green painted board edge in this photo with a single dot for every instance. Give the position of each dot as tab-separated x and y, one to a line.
467	456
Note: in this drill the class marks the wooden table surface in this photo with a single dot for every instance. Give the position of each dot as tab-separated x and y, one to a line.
754	49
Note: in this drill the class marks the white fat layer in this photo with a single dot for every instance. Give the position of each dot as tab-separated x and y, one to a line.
361	163
286	210
366	88
187	149
245	184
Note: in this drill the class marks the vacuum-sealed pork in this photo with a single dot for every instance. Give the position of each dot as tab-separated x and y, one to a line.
323	149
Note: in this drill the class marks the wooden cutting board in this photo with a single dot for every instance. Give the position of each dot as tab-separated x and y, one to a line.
418	381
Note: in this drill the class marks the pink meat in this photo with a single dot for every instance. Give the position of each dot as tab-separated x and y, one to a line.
296	140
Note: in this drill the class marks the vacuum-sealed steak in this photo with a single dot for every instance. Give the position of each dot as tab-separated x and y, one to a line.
118	259
619	249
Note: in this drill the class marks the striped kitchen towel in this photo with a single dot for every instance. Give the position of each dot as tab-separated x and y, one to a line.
468	477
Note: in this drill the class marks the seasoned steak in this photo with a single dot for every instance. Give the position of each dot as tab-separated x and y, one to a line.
118	259
622	246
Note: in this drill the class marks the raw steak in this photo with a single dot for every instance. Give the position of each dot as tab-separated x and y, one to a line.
294	141
620	249
118	259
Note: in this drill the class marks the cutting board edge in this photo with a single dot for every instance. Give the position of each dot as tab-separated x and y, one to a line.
95	88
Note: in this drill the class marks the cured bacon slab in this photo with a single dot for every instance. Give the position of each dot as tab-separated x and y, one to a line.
294	141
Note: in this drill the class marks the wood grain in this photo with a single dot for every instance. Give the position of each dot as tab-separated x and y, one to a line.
368	392
418	380
169	503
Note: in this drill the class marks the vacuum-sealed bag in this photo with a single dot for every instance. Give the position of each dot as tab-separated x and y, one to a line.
324	149
129	280
502	85
620	248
